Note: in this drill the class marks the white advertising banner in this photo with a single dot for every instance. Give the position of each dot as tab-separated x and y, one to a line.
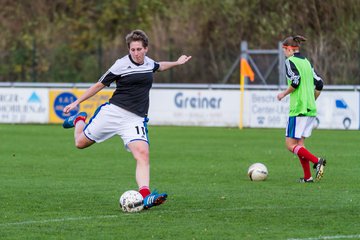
194	107
199	107
263	110
24	105
336	110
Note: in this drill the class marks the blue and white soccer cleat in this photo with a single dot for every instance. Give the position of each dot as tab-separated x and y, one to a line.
154	199
69	122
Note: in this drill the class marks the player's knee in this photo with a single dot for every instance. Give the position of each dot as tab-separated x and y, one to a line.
80	144
81	141
142	155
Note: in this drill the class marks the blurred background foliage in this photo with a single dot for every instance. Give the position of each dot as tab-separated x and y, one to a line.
78	40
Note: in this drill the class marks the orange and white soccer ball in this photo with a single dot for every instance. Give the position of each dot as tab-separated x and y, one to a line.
258	172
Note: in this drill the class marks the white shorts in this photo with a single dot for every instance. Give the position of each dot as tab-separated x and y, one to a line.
110	120
298	127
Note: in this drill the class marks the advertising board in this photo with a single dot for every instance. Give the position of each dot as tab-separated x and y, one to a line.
24	105
194	107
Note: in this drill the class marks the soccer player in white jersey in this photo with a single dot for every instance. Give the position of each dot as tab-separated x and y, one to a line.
126	112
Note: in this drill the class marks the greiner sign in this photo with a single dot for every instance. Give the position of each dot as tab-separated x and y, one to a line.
192	107
191	101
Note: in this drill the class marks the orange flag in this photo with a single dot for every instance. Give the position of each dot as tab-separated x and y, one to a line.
246	70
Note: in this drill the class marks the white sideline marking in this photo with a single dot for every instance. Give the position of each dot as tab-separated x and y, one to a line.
66	219
56	220
328	237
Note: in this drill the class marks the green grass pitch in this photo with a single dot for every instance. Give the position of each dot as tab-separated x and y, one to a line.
51	190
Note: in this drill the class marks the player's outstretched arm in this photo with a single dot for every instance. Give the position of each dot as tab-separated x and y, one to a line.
88	94
167	65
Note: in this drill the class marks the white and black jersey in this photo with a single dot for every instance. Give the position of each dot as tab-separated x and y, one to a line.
133	83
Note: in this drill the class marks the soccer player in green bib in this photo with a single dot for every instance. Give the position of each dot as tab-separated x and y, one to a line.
304	87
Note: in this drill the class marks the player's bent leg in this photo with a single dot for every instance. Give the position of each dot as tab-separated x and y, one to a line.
81	141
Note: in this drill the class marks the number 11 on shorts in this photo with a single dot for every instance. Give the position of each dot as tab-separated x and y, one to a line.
138	129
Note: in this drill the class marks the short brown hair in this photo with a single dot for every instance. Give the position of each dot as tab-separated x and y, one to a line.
293	42
137	35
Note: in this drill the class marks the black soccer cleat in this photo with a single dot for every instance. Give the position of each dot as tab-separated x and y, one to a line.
303	180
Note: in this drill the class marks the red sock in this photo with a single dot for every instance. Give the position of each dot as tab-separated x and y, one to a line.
303	153
144	191
79	118
306	168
